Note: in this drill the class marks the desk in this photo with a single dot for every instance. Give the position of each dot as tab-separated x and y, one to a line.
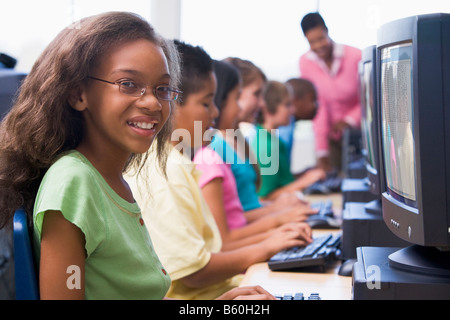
329	284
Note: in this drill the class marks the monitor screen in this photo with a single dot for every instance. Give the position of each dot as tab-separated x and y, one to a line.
397	118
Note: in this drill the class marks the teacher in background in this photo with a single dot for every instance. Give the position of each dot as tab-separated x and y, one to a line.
333	68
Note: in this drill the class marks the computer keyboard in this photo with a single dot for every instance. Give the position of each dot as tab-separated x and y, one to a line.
298	296
317	254
331	184
325	218
325	208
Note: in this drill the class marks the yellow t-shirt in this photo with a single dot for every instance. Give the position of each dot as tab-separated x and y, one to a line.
181	225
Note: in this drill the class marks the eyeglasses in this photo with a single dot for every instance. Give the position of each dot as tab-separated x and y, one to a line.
135	89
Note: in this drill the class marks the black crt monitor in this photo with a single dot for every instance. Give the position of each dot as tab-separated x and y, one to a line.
365	187
370	126
413	61
10	81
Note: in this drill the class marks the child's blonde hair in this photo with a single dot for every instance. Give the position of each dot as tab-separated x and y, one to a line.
274	93
248	70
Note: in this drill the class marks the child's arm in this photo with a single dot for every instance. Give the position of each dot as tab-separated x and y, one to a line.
285	201
253	232
223	265
247	293
62	264
301	183
213	193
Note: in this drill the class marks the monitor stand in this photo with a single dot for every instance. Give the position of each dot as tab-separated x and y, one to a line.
428	260
376	276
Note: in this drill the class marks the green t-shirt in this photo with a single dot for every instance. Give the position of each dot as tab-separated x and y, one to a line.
121	262
273	160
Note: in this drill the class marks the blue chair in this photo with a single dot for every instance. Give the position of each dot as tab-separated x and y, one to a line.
25	272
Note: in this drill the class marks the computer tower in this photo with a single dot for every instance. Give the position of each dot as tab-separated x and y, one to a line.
363	227
356	190
375	279
353	165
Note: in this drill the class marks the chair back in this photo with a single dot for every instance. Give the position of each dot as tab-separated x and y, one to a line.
24	268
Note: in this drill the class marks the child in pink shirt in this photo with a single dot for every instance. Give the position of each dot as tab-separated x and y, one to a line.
218	183
212	166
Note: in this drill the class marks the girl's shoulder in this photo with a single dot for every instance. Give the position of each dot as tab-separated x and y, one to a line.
69	165
71	157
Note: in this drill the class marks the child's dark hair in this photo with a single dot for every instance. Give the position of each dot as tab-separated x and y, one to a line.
311	21
41	125
300	87
228	78
196	66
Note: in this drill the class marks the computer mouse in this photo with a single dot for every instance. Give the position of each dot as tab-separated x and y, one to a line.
346	268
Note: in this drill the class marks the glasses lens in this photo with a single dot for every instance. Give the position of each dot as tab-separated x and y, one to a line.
166	93
131	88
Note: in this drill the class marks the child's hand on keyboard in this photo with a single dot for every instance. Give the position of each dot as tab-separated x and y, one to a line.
247	293
303	230
286	199
297	213
309	177
289	235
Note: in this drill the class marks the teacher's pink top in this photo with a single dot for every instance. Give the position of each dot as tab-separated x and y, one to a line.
338	92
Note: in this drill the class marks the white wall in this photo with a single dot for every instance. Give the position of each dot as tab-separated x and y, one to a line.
165	17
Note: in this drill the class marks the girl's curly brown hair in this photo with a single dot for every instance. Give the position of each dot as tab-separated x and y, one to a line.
41	125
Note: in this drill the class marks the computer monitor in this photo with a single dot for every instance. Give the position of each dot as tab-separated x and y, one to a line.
413	62
370	126
10	81
362	185
369	117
